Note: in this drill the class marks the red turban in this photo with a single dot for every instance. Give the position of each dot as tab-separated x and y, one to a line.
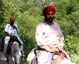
12	18
47	9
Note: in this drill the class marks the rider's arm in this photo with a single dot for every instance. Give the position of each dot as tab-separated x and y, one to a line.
61	39
39	33
8	34
7	30
56	48
53	49
16	27
60	48
40	39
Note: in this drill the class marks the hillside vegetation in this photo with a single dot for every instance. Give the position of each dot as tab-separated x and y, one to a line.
28	14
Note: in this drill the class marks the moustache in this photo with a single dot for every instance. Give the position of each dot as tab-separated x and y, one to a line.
49	19
12	23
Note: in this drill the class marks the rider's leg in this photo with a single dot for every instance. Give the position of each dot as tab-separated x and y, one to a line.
44	57
20	40
57	60
6	44
22	51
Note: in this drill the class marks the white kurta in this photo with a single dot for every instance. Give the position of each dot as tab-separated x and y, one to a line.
49	36
13	32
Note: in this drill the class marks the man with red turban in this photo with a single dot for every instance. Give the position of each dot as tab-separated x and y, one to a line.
48	36
11	30
50	39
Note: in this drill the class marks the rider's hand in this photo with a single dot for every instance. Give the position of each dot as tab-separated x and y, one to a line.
60	48
14	27
11	35
52	49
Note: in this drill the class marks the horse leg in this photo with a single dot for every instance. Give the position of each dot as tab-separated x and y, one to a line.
7	59
17	59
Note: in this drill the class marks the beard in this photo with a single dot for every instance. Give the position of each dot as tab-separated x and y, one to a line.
12	23
49	20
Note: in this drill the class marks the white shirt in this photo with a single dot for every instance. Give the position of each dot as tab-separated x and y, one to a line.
11	30
49	36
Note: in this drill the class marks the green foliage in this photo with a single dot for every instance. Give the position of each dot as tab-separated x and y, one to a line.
1	11
72	45
28	13
67	16
27	26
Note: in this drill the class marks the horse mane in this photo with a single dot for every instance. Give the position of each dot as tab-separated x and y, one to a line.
15	46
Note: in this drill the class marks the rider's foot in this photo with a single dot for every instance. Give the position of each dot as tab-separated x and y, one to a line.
22	52
23	55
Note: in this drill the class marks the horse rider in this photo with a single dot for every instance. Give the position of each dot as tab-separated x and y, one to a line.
49	36
11	30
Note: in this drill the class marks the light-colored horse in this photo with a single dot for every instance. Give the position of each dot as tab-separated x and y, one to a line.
32	58
15	53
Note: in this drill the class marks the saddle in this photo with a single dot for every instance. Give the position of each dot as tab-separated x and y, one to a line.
11	41
54	56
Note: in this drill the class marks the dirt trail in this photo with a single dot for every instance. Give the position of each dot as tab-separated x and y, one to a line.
3	59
